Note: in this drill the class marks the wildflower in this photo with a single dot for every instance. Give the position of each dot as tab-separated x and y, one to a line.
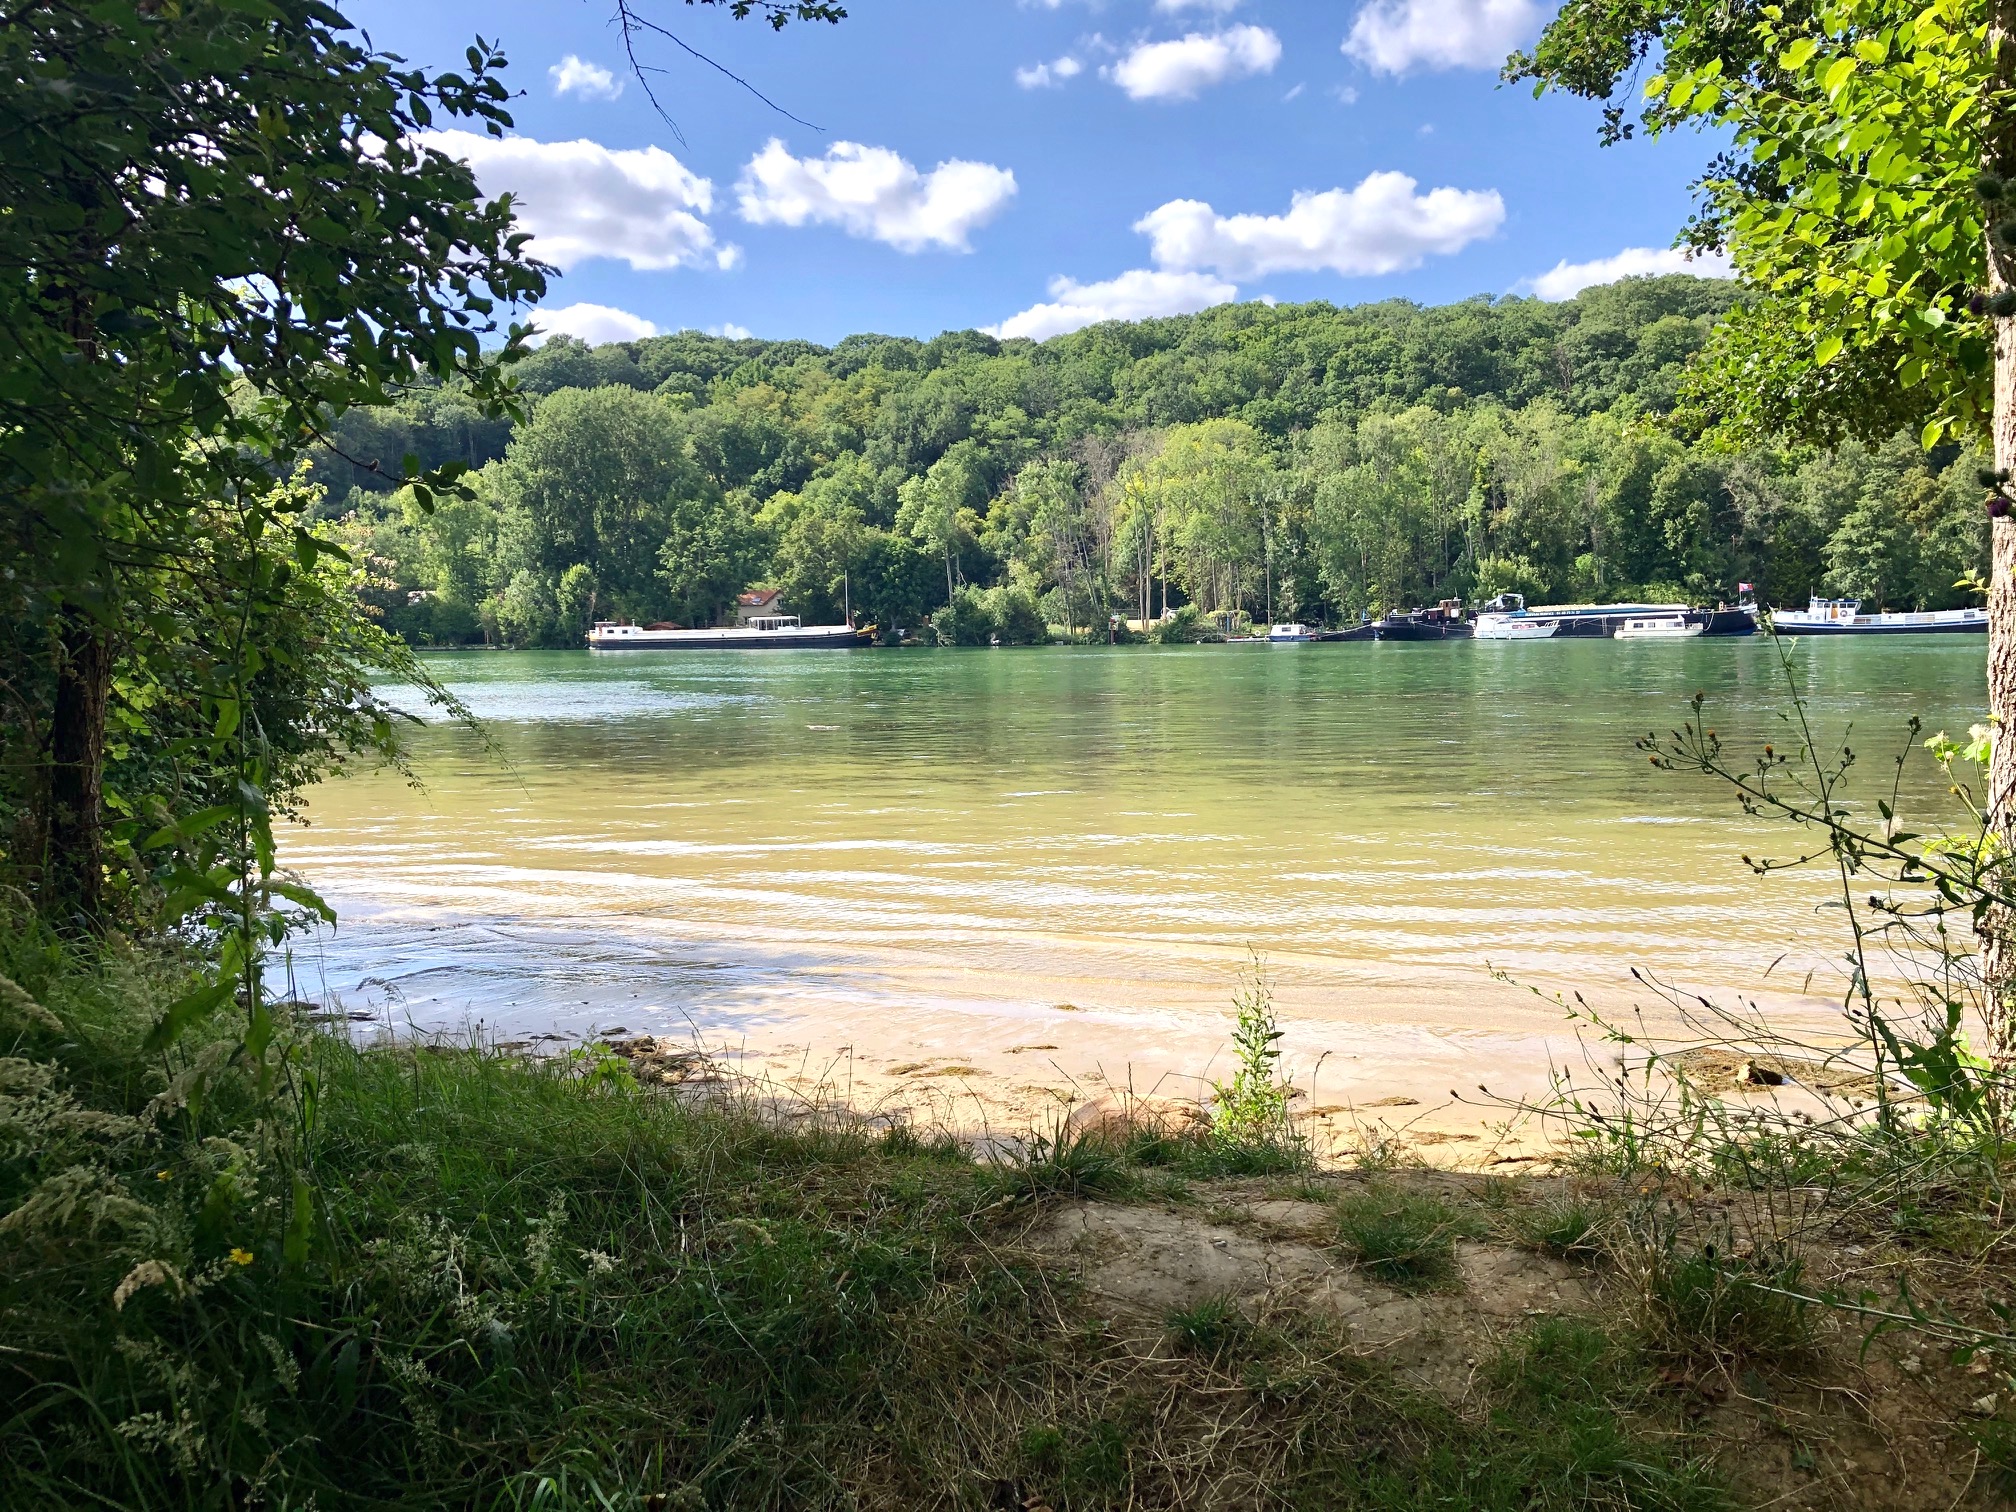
163	1175
239	1256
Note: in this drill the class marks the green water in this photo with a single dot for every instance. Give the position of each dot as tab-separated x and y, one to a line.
761	839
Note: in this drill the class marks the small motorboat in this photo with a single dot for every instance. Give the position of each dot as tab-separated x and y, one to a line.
1519	627
1288	635
1661	627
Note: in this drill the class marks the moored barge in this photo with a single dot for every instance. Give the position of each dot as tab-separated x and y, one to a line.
1506	617
773	632
1845	617
1444	622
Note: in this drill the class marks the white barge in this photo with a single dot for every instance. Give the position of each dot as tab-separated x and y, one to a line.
781	632
1844	616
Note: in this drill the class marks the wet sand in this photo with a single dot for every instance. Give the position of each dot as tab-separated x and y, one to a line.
1435	1058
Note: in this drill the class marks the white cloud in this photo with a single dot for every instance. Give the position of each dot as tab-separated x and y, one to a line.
732	331
1382	226
1399	36
577	76
593	323
1136	295
581	200
1182	69
872	192
1216	7
1565	279
1043	75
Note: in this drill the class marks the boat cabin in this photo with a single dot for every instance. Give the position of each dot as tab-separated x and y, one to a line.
1834	609
760	604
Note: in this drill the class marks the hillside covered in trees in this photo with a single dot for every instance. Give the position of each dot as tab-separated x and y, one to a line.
1299	460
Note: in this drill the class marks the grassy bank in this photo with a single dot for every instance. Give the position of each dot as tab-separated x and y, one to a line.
507	1284
498	1283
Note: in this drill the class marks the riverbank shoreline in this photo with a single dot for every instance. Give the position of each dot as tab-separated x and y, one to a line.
1436	1068
512	1279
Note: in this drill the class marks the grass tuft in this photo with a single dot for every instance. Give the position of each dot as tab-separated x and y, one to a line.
1705	1302
1402	1237
1565	1227
1209	1326
1066	1163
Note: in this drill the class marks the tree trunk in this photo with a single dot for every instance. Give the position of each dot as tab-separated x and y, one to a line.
73	870
1998	928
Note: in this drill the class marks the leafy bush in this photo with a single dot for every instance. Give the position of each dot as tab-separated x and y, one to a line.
978	616
1187	627
968	620
1017	618
1250	1112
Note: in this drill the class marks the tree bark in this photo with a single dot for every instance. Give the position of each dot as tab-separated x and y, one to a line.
1998	927
73	869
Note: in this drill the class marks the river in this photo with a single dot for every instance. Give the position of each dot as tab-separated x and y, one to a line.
985	874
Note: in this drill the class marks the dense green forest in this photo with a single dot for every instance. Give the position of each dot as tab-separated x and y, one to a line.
1298	460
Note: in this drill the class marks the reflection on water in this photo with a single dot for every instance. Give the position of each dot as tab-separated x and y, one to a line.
750	839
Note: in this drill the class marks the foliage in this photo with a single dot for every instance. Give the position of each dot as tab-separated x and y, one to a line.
1186	627
170	243
200	280
1046	469
1252	1108
1848	199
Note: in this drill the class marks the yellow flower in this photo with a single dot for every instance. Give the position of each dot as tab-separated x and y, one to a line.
240	1256
162	1175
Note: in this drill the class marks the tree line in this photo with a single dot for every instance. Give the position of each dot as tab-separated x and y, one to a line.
1284	461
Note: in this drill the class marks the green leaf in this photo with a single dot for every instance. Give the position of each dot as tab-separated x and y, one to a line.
189	827
307	897
300	1226
185	1011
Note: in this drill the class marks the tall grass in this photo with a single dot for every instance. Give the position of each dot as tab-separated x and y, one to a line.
512	1269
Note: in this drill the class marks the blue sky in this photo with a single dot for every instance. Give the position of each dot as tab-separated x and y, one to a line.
1032	165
